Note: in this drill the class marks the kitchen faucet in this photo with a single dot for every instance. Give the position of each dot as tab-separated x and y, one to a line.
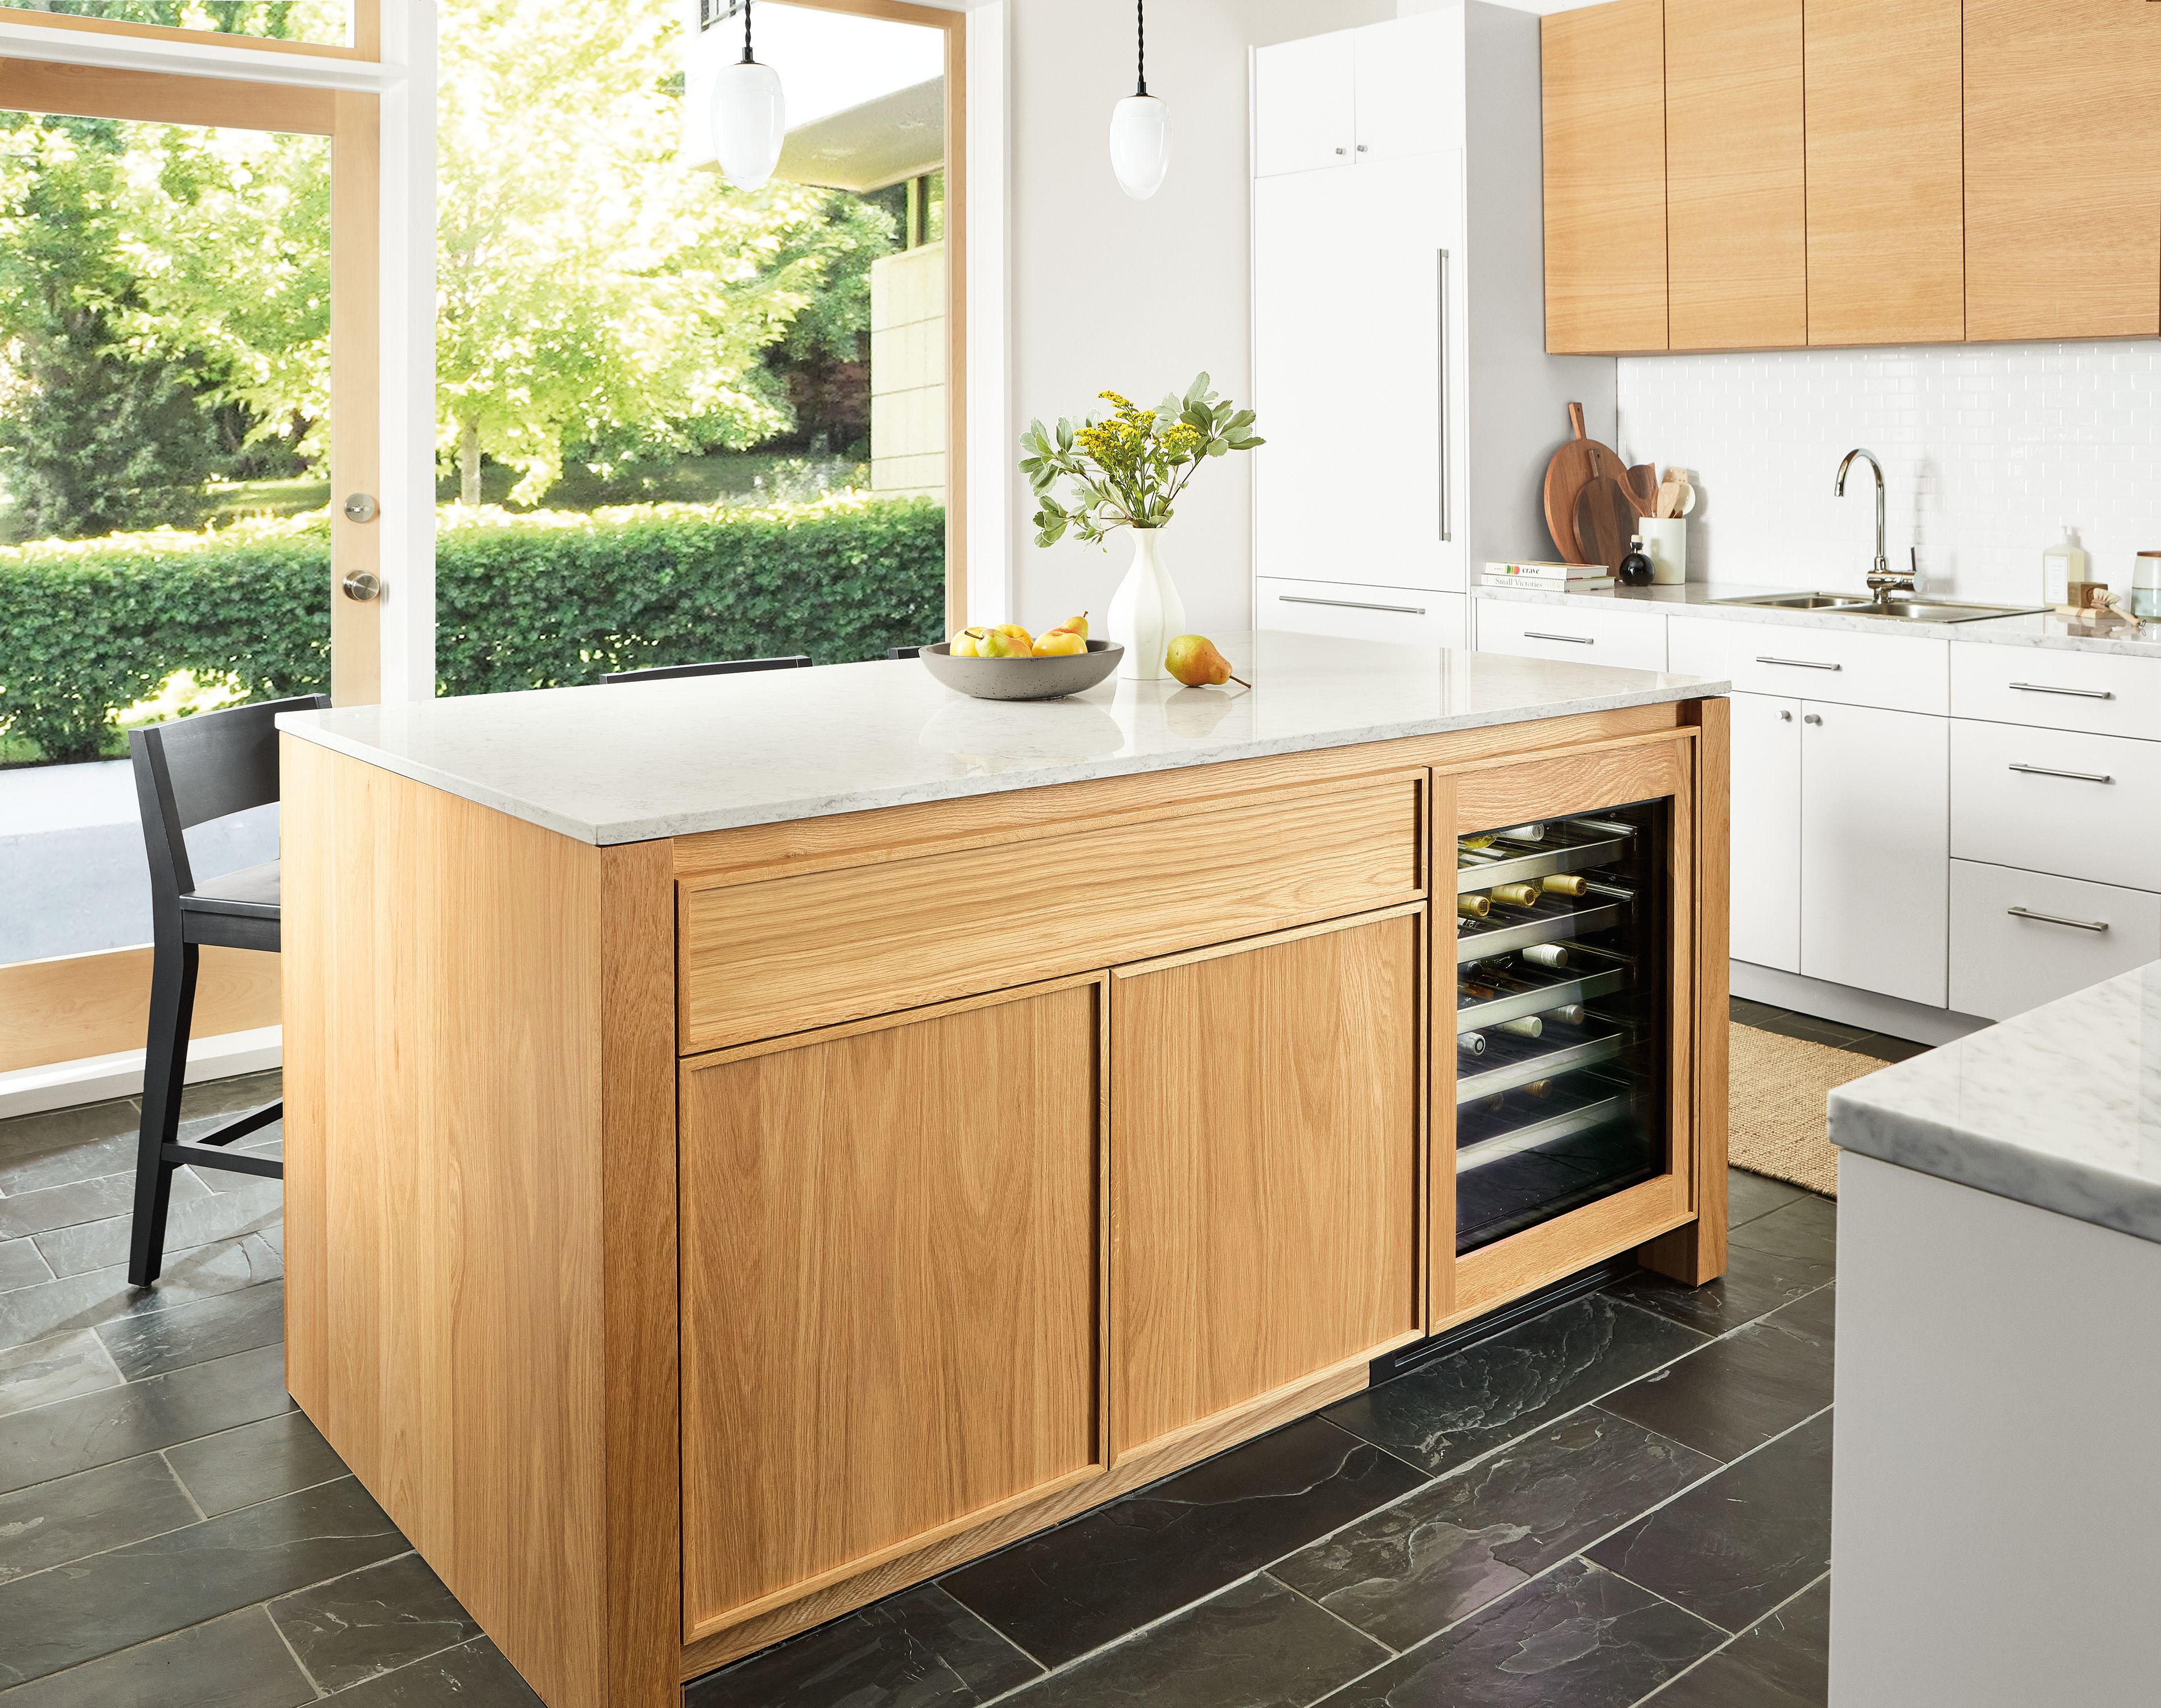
1881	581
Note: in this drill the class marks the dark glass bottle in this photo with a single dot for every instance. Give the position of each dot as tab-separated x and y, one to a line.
1635	568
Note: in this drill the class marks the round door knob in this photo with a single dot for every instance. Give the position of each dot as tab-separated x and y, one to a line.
362	507
362	584
1811	718
1785	717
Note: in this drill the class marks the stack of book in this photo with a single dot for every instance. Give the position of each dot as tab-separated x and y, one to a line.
1558	578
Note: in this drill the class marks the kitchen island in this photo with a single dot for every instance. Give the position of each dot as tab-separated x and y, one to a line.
754	1143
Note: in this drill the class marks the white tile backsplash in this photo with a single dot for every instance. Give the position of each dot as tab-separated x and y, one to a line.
1985	450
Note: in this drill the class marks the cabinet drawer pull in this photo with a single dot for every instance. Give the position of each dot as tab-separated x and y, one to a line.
1574	640
1351	604
2076	693
2076	776
2058	919
1801	664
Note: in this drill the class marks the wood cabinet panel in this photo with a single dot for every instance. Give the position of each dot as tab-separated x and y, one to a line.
2063	169
1885	172
1266	1148
889	1290
762	959
1737	203
1603	72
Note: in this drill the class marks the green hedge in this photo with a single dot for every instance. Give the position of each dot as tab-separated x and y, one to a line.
531	601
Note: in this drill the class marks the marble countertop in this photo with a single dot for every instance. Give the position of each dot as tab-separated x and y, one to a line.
1701	599
635	761
2059	1108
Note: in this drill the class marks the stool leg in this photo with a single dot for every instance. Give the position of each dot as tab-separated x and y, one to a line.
164	1068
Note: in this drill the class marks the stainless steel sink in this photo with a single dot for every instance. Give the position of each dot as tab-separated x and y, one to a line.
1892	610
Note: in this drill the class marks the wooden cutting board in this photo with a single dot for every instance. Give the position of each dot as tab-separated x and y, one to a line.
1606	515
1580	528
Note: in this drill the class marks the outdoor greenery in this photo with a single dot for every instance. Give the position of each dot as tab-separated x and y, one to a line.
1127	468
532	600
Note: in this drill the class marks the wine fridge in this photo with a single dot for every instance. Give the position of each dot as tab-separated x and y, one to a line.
1563	1011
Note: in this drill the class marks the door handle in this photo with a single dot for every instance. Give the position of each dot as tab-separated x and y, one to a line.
1351	604
1801	664
1442	366
2058	919
1574	640
2076	693
2076	776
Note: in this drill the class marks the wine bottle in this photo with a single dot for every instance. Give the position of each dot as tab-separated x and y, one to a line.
1546	954
1568	1014
1524	833
1540	1089
1470	1043
1530	1026
1567	883
1612	892
1515	895
1473	907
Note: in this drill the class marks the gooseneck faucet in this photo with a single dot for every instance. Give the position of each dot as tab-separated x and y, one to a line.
1881	581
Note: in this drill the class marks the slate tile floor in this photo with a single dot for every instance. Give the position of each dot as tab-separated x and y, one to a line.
1624	1500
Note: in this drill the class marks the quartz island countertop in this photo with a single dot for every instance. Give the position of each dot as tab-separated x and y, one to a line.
636	761
2059	1108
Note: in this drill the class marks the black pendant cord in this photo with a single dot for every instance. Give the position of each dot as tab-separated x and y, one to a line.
1140	38
747	57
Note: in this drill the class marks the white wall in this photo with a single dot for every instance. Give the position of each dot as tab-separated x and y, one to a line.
1137	296
1986	449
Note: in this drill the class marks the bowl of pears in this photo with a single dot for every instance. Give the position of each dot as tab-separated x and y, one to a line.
1008	663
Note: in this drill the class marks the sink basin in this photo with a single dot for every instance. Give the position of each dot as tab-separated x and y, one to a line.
1800	601
1892	609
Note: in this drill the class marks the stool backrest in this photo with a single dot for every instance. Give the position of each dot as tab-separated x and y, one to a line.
194	769
726	667
904	651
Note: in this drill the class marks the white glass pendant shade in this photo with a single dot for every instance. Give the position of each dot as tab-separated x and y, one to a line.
750	123
1140	144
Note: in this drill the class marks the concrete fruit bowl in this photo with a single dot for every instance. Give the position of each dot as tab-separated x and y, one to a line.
1022	678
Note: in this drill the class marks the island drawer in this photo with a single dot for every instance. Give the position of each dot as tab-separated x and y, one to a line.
2104	694
762	958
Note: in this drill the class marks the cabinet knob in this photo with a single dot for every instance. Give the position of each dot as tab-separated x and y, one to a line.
1343	151
1811	718
1785	717
1362	147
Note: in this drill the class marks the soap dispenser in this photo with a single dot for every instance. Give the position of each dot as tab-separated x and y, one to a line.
2061	566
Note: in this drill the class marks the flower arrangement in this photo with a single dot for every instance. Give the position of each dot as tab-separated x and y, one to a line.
1127	468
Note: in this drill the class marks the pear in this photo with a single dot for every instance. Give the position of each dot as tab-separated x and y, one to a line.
1018	633
1078	625
1193	659
999	644
1059	643
967	644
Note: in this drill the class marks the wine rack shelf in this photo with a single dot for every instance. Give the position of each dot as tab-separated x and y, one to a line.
1517	863
1576	1109
1525	1061
1474	1013
1549	922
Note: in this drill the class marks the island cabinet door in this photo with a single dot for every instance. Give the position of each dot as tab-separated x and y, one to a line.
1266	1156
1565	1127
890	1295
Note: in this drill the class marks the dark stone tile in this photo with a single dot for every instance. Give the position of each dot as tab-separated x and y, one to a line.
103	1295
472	1675
153	1342
207	1099
1089	1582
1755	1284
1781	1661
22	1264
1885	1047
918	1649
1808	1227
131	1594
1748	1196
1739	1392
1445	1414
374	1622
140	1417
224	1180
197	1217
1447	1550
91	1156
1578	1637
1732	1549
53	1523
1256	1645
236	1662
29	1142
81	1201
55	1369
255	1463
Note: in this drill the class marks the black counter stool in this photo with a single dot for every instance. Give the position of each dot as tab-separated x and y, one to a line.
728	667
904	651
188	772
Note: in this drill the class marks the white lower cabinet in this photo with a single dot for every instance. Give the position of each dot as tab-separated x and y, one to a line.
2020	939
1356	611
2052	800
1875	849
1767	830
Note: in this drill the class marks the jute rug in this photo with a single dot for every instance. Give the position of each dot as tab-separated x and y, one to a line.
1775	1117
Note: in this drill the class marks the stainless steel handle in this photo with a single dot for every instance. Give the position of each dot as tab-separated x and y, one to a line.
1351	604
1810	717
2058	919
1442	367
2075	693
1801	664
1574	640
362	584
2076	776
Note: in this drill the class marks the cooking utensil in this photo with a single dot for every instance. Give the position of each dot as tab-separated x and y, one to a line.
1669	500
1575	466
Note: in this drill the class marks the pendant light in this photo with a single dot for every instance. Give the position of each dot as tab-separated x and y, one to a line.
1140	127
750	119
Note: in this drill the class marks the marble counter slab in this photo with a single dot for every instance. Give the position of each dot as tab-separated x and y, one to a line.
1701	599
635	761
2059	1108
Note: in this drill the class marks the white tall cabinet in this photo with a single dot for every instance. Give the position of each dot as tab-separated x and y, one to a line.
1399	366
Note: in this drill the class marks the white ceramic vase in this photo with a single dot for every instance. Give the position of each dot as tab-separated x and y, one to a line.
1146	612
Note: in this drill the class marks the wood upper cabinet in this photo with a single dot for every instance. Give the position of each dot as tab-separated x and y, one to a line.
889	1263
1885	216
1267	1147
2063	169
1737	202
1603	70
